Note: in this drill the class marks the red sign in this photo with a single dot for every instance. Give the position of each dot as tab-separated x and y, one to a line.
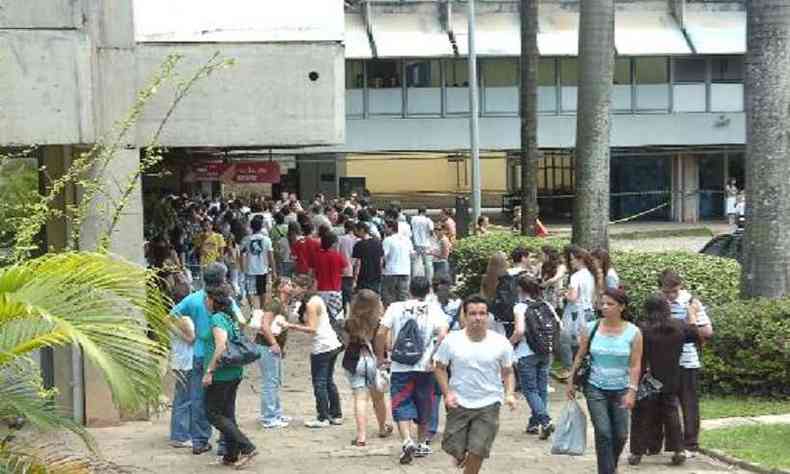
257	172
207	171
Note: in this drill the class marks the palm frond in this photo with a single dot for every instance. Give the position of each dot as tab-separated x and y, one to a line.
110	307
27	457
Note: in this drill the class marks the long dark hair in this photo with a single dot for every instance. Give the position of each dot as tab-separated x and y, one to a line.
658	314
549	267
604	261
621	298
223	303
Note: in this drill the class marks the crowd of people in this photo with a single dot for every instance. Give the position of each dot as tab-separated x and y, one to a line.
374	289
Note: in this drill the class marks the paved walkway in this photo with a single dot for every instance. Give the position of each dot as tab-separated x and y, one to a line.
749	420
300	450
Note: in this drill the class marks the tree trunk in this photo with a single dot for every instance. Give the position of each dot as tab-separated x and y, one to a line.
529	116
596	73
766	247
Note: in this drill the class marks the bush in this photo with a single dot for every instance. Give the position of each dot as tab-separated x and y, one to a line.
714	280
749	353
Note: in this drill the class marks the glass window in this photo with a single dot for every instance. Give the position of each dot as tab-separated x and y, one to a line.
385	95
500	72
727	69
652	83
457	74
424	87
690	70
547	75
622	71
569	78
456	78
355	80
547	85
621	95
355	77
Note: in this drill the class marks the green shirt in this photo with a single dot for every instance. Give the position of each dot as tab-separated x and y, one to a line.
222	321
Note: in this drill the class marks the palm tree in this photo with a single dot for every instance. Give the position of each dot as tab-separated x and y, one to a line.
529	116
766	268
596	73
110	307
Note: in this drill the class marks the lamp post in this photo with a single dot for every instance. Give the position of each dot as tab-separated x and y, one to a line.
474	125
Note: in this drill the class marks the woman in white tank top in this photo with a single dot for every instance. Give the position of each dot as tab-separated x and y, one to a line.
326	346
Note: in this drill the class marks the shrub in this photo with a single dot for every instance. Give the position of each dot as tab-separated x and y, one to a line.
714	280
749	353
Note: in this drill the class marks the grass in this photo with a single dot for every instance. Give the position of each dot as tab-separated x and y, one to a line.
662	233
728	407
762	444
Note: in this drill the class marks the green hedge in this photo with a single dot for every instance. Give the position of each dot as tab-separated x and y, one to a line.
749	353
714	280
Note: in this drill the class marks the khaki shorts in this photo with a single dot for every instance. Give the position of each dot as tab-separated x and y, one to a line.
471	430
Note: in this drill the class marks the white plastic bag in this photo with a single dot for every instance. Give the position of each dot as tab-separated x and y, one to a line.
571	435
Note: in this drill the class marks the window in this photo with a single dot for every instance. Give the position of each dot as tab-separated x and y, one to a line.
424	87
688	89
501	84
355	81
652	83
456	78
547	85
569	77
621	95
726	90
384	83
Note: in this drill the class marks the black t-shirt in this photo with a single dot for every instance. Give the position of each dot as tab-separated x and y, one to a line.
369	252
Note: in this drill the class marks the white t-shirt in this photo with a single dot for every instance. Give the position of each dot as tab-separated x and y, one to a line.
404	228
257	248
431	321
346	243
421	230
584	284
397	255
476	367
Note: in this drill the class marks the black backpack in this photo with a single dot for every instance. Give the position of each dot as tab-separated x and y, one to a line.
541	327
506	297
410	345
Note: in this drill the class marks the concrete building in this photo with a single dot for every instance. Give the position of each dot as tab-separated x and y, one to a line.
678	123
72	68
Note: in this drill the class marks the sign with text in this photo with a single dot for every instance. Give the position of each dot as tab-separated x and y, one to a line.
256	172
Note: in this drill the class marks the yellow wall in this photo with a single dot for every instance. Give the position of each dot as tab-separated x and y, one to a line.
425	172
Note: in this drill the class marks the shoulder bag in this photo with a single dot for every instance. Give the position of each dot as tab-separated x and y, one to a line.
239	351
582	374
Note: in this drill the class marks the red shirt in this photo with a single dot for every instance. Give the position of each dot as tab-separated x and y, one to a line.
303	251
329	265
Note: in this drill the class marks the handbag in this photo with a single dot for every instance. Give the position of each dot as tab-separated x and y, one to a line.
381	378
649	387
582	373
239	351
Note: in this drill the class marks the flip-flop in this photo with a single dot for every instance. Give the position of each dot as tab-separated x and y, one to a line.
358	444
388	430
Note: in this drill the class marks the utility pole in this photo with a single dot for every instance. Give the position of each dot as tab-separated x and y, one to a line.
474	125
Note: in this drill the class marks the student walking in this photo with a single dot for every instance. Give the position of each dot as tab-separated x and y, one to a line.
482	379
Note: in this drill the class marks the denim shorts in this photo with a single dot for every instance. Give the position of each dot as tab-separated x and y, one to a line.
365	375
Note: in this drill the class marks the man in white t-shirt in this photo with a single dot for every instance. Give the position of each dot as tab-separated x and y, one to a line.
257	262
422	233
482	366
397	265
412	386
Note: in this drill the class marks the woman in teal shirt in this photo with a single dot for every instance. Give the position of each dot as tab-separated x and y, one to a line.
222	383
616	351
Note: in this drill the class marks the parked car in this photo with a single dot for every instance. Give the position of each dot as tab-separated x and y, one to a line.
727	245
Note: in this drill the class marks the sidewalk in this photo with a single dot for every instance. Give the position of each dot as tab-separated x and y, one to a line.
750	420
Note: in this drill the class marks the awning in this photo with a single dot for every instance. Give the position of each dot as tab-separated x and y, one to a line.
357	42
716	32
558	33
648	33
409	35
190	21
497	34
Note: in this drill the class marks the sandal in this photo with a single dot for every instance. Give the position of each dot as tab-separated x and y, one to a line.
388	430
357	444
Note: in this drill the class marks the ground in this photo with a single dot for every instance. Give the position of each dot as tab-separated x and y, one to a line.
297	449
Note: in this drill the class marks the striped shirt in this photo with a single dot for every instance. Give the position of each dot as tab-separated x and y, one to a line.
689	358
611	358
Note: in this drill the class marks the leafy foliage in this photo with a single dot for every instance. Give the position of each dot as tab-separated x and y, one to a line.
18	192
749	353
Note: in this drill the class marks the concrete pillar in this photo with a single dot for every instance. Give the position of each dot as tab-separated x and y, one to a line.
685	187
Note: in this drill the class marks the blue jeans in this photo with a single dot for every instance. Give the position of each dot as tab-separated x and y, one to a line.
200	428
270	366
327	398
433	425
441	268
610	422
534	374
181	417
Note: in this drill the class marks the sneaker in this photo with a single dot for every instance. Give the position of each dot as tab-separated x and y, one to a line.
317	423
678	459
286	419
690	454
634	459
336	421
197	450
181	444
274	424
407	452
546	430
245	459
532	429
423	449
